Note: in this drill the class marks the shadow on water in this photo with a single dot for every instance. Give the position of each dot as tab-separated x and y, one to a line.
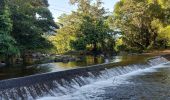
92	60
13	72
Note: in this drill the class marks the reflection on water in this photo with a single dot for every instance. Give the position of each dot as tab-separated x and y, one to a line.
91	60
12	72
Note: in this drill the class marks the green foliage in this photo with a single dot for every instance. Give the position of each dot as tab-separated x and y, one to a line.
24	25
86	29
164	35
141	21
61	42
7	43
96	32
31	20
69	26
119	45
79	44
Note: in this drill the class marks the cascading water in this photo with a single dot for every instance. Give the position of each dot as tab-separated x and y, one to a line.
65	82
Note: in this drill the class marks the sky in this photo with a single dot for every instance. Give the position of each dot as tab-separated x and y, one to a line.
58	7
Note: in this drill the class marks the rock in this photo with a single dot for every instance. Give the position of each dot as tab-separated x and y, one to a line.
2	64
58	60
19	61
65	58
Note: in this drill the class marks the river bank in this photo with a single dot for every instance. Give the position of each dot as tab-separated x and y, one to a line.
40	58
49	65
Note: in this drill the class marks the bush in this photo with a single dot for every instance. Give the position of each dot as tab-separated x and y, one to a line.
78	44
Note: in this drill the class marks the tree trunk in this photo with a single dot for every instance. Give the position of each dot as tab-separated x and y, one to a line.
10	60
154	40
27	58
95	48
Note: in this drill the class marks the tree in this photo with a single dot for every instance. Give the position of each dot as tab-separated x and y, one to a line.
32	20
8	46
136	18
69	26
94	31
84	29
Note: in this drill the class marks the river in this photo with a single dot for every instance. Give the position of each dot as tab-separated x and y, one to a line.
147	80
143	84
14	72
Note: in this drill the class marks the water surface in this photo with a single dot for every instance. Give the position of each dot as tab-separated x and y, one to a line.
13	72
146	84
93	83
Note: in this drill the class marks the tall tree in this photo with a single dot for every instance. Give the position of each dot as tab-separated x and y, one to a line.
136	18
31	21
94	31
8	46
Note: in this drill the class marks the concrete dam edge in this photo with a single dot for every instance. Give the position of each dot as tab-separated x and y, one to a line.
46	77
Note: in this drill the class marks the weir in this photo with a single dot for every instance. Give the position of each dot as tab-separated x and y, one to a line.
66	82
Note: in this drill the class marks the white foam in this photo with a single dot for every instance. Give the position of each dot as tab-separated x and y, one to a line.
97	88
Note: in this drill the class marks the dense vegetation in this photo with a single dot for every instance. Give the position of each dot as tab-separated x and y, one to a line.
85	29
22	26
8	46
144	23
133	26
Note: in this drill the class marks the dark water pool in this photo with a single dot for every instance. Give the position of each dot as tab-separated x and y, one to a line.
13	72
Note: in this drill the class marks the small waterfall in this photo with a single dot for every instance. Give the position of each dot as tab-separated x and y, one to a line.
64	82
157	61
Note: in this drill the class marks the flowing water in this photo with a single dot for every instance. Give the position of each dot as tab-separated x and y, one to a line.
116	83
143	84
